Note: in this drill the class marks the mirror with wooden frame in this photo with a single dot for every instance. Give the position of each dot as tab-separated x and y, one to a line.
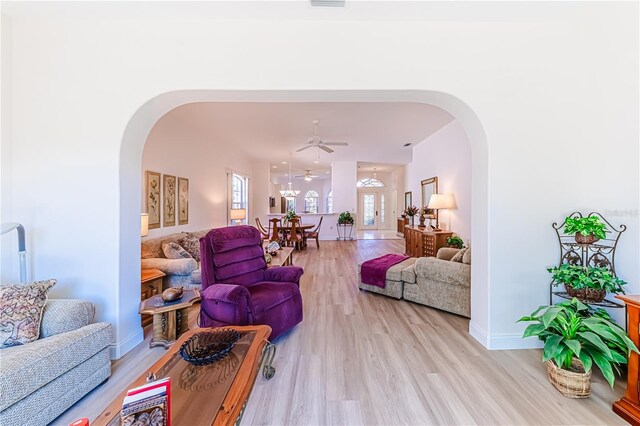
407	200
429	187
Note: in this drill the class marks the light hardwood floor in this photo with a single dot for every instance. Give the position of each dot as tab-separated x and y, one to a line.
359	358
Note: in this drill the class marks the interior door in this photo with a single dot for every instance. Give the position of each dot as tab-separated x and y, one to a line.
369	210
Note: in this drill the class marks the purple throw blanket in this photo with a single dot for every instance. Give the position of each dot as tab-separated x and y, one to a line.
374	271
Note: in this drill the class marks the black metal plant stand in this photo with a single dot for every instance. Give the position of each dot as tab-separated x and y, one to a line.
344	231
599	254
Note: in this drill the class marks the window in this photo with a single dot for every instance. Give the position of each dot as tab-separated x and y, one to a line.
239	194
369	183
382	209
330	201
311	202
291	205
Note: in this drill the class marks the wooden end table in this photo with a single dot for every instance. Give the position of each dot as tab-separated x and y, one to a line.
170	319
212	394
150	285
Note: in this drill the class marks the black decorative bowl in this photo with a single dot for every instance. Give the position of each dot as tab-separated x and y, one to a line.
209	346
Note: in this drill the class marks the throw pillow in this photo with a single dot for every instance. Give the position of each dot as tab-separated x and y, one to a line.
466	257
174	251
21	307
191	244
458	256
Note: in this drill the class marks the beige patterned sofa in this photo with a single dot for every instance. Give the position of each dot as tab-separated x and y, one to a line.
40	380
440	283
179	272
393	284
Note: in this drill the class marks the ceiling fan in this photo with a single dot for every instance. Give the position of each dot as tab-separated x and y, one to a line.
307	176
316	142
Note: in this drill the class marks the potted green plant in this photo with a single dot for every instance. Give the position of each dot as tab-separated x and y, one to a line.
345	218
575	338
587	230
290	215
455	241
586	283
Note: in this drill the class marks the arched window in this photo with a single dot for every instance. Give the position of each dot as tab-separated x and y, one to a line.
369	183
311	202
330	201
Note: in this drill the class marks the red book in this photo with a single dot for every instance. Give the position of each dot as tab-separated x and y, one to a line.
80	422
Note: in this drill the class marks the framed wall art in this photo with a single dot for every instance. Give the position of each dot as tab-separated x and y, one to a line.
168	200
152	198
407	200
183	201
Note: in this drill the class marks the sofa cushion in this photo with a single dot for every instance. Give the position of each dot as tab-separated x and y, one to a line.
458	256
466	257
62	315
191	243
174	251
409	274
27	368
454	273
21	308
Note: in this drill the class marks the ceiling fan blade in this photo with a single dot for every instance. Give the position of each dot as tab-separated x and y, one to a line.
303	148
336	143
314	176
325	148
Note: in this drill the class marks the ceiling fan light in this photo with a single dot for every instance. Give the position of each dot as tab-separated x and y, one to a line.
307	178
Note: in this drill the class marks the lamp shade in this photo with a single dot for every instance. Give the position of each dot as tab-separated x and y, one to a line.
144	224
442	201
238	214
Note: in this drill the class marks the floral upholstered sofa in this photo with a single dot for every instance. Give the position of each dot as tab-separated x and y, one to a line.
181	272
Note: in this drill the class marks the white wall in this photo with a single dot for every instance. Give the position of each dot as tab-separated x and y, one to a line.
344	175
447	155
176	148
554	89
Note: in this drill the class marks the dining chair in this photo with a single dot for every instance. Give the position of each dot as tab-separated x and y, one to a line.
315	233
275	229
293	236
264	232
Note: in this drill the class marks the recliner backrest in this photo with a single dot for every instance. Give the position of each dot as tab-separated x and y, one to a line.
232	255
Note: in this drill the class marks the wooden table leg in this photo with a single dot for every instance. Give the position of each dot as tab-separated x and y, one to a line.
164	329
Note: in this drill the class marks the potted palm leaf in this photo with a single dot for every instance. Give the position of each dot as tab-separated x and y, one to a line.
576	337
587	230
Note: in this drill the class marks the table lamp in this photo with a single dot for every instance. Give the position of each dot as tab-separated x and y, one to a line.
144	224
238	215
441	201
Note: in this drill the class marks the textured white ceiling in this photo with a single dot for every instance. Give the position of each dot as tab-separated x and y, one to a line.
376	132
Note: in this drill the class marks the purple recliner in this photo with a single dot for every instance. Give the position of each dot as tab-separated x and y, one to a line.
237	287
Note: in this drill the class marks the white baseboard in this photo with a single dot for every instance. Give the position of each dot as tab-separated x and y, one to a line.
513	341
118	349
479	334
499	342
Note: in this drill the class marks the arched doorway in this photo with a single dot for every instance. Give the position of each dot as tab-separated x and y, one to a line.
141	123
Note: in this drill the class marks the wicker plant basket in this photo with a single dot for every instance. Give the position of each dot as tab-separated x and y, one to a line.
574	383
586	239
586	294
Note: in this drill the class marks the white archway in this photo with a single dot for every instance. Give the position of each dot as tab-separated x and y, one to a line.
140	125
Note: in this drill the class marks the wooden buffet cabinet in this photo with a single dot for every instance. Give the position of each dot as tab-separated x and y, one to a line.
628	407
402	222
424	242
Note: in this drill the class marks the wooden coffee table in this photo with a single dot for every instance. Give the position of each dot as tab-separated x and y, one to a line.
170	319
283	258
212	394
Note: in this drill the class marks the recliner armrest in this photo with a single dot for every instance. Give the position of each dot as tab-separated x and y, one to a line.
289	274
229	293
